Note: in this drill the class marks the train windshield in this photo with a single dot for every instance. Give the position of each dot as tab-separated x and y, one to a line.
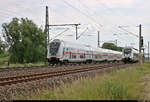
54	47
127	51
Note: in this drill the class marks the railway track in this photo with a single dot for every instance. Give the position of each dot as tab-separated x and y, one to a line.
33	77
21	68
35	67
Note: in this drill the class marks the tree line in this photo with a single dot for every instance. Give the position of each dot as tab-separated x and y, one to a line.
112	46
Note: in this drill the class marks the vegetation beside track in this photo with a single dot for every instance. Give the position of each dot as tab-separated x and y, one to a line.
124	84
4	59
23	40
22	65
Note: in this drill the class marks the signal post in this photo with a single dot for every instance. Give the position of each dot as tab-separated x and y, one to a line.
148	51
140	45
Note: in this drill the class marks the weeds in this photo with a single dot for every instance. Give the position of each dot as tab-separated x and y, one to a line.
115	89
122	84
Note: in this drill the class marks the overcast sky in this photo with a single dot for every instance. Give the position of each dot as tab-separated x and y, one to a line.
93	15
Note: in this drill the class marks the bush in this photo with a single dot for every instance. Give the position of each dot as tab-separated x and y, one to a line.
4	58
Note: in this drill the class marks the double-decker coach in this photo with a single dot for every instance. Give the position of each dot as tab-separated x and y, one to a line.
64	51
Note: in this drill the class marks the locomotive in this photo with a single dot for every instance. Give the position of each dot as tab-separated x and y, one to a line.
129	54
60	51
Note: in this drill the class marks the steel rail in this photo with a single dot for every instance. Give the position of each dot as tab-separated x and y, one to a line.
33	77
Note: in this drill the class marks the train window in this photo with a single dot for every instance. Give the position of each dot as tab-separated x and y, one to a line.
73	56
127	51
82	56
63	51
54	47
95	57
70	55
100	57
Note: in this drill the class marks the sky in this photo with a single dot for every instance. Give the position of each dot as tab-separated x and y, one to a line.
94	15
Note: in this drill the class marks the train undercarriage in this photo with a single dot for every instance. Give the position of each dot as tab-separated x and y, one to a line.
128	60
55	61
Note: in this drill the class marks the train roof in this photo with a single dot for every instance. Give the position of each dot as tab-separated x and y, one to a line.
132	48
72	45
85	47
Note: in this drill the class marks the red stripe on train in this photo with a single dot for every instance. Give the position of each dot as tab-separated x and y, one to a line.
87	54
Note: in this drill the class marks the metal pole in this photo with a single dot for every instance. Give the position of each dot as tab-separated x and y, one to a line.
76	32
46	33
148	51
98	40
65	25
140	56
143	56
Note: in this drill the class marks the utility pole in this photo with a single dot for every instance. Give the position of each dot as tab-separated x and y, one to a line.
148	51
98	40
46	33
76	31
143	56
140	55
116	42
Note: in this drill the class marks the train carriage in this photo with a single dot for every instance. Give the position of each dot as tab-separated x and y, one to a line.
64	51
129	54
117	55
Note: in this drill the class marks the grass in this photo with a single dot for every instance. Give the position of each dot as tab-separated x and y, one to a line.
22	65
4	58
122	84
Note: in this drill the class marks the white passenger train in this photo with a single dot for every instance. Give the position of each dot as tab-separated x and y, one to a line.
129	54
64	51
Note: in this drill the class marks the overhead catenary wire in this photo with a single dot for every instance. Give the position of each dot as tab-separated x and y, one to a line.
87	14
82	33
128	31
80	10
59	34
108	19
94	23
102	4
97	27
86	7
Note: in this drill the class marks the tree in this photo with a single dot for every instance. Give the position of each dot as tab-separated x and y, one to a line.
111	46
25	40
1	47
